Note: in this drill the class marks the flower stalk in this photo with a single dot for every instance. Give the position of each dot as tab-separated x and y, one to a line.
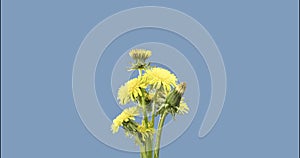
159	132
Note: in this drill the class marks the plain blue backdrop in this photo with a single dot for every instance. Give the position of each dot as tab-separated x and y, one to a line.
258	40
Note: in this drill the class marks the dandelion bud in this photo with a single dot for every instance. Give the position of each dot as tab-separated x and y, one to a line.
140	56
181	88
173	99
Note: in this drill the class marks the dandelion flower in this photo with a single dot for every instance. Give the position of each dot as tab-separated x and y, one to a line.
160	77
143	129
134	86
140	55
146	132
125	116
123	95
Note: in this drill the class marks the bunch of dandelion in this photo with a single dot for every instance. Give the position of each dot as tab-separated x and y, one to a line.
156	93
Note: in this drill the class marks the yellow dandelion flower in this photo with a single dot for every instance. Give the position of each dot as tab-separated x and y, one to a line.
125	116
143	129
134	86
159	77
123	95
146	132
140	54
183	107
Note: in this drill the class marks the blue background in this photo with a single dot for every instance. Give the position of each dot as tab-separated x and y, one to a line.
258	40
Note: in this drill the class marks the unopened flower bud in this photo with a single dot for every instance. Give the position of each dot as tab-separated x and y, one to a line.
140	55
181	88
173	99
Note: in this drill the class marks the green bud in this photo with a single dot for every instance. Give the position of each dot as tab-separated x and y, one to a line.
139	56
173	99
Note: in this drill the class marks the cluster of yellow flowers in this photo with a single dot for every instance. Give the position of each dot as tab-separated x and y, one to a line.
155	77
156	88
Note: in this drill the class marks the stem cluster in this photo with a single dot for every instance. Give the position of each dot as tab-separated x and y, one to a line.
147	147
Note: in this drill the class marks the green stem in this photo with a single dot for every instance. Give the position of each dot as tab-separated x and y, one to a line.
140	72
149	147
159	132
148	144
143	153
153	109
142	147
143	103
150	139
144	110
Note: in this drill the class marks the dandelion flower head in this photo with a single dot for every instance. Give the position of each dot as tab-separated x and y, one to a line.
159	77
125	116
